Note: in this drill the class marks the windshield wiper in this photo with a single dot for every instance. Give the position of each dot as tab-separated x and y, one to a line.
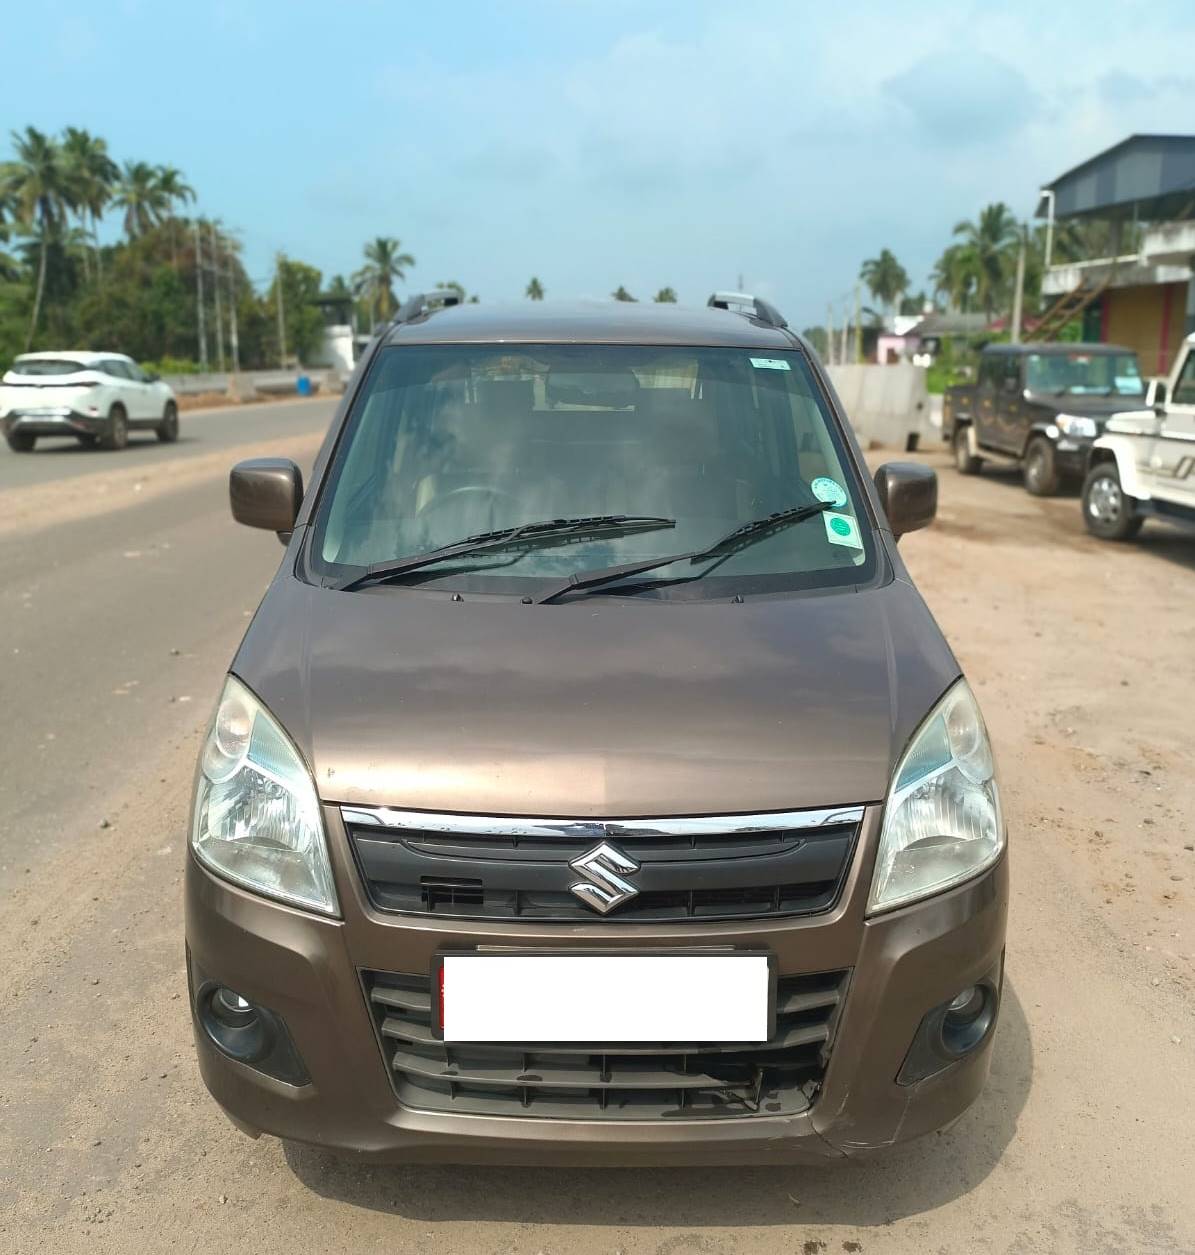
725	547
531	534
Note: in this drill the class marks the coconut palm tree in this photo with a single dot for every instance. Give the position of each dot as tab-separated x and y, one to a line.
953	276
385	263
37	183
665	296
140	195
992	241
885	277
535	290
174	187
92	174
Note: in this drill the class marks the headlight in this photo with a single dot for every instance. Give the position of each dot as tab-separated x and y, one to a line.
257	818
1077	426
942	821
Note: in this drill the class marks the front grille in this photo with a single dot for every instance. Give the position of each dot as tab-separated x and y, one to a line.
464	867
592	1082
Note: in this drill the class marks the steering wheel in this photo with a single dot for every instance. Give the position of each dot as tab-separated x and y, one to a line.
467	490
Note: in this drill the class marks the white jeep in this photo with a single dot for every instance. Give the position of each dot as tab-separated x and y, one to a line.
1144	463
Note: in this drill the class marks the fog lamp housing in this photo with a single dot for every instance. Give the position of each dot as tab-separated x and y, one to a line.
953	1030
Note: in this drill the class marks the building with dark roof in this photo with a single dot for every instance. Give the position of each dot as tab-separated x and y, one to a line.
1141	295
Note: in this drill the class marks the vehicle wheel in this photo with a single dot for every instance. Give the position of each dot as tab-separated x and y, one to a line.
966	463
167	429
118	429
1041	472
1108	511
21	441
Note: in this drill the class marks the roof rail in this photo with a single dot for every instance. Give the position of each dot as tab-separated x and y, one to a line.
746	303
425	303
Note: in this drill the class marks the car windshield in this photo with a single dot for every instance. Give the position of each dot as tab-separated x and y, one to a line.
46	366
1094	374
448	441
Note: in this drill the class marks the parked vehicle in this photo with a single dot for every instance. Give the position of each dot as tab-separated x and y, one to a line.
96	397
1144	463
592	784
1041	406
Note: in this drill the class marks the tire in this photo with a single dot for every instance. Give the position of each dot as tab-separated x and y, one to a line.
117	435
965	462
1108	511
21	441
167	429
1040	469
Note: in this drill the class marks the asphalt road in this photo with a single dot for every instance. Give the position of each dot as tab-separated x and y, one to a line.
200	432
115	631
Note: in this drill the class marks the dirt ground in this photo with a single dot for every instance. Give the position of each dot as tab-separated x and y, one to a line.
1084	1140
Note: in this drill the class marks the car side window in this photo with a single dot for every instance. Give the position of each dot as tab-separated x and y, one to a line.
990	367
116	368
136	373
1011	375
1184	388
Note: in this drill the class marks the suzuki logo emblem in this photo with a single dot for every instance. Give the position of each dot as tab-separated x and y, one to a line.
604	887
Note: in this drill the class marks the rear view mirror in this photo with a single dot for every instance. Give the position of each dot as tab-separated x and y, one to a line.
1155	396
909	494
266	493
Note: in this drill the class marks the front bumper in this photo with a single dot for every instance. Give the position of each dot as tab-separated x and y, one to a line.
306	969
62	422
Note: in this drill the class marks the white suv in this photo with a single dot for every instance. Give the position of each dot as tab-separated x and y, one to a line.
1144	463
96	397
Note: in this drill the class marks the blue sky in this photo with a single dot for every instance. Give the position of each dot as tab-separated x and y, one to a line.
598	142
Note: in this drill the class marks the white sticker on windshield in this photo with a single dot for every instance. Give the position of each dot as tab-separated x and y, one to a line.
830	490
770	363
841	529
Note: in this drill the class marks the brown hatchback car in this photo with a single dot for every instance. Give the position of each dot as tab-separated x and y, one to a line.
592	785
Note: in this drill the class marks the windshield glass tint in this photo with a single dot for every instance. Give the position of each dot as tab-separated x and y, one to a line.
447	441
45	366
1095	374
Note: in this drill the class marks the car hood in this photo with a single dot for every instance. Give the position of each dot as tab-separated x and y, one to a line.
1087	406
596	707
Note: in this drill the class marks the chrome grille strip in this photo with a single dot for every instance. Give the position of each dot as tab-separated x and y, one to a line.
596	829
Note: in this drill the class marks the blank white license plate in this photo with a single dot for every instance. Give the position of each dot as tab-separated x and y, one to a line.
603	998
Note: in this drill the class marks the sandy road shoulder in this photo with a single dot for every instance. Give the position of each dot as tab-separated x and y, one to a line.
28	509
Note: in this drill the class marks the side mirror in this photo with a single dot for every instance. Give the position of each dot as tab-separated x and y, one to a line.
1155	396
909	494
152	376
266	493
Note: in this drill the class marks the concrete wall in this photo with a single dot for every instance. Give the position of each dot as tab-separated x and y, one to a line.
248	384
887	405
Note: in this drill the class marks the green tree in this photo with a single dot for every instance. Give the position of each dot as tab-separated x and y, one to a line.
37	183
92	174
535	290
621	294
385	264
177	191
300	296
818	338
885	277
953	276
665	296
139	193
992	242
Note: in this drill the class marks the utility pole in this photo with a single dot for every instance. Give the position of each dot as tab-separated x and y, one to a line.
829	334
216	292
233	343
199	297
1018	293
858	324
281	315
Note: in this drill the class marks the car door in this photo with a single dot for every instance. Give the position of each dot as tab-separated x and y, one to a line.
987	386
1013	413
134	390
1172	460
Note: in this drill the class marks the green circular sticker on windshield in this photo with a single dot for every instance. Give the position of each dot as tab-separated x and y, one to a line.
841	526
830	490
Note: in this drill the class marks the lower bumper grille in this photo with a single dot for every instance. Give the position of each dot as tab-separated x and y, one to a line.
589	1082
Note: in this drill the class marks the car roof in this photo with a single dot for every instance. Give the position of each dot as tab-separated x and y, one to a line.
81	355
1059	347
590	322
